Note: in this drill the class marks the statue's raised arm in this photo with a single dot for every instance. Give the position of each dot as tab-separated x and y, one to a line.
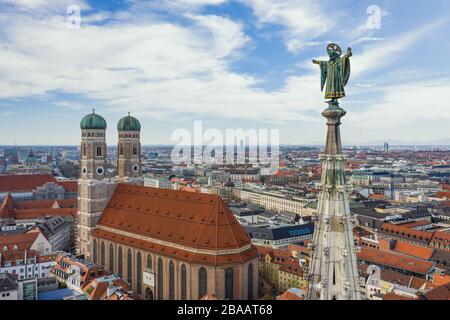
349	52
335	72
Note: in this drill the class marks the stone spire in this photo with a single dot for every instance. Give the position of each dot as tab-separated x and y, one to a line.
333	271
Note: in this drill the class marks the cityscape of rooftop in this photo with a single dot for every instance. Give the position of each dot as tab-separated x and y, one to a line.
240	153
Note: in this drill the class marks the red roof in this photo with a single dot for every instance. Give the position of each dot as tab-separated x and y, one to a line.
442	238
46	204
393	296
395	261
69	185
24	182
292	266
6	208
279	256
376	196
197	221
404	232
439	293
21	210
289	295
412	250
24	241
12	256
443	195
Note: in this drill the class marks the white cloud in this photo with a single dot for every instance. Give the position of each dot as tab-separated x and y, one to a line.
385	52
159	69
40	6
302	20
405	103
156	69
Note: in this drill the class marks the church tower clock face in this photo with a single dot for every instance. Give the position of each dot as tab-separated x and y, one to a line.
84	171
100	170
135	168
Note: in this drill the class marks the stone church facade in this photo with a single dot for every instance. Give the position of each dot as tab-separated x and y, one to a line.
167	244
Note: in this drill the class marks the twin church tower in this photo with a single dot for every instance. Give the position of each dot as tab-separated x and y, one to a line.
95	185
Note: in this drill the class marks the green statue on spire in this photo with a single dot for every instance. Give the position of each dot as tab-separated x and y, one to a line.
335	72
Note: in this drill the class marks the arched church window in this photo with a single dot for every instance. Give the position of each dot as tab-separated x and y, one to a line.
149	262
94	249
139	272
202	282
250	282
129	267
229	283
111	258
120	261
102	253
183	282
134	150
160	279
171	281
84	149
99	151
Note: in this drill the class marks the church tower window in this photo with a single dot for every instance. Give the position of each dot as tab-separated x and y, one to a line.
129	267
160	279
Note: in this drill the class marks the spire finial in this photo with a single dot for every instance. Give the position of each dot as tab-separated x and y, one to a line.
128	113
93	110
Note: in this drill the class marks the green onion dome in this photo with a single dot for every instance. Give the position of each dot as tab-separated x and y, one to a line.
128	123
93	121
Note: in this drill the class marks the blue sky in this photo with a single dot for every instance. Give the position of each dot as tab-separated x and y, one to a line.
232	64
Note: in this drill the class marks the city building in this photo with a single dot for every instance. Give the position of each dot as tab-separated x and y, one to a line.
75	273
36	187
156	182
58	232
279	237
274	201
110	287
283	269
31	165
8	287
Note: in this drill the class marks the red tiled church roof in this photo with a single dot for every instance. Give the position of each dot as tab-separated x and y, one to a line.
196	221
